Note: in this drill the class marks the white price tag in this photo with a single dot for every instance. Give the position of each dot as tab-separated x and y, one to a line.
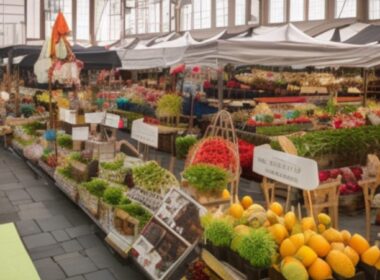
145	133
291	170
80	133
97	117
112	120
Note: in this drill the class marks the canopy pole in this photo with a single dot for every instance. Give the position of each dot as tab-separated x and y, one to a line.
220	88
365	86
17	105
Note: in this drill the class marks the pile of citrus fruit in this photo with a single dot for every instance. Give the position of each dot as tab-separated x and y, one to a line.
308	248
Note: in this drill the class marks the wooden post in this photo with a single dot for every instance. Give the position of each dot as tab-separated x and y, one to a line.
365	87
17	101
220	88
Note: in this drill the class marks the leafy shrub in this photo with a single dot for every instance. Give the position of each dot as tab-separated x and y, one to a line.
206	177
96	186
183	144
116	164
169	105
138	212
219	232
258	248
65	141
113	196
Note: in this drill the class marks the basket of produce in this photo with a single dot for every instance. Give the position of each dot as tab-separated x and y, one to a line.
114	170
83	167
90	194
112	196
64	181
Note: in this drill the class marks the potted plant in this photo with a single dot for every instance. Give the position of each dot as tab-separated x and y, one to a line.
114	170
90	194
112	196
183	145
258	249
83	167
218	233
65	182
206	181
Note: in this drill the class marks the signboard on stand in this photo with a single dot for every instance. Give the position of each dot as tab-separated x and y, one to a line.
112	120
94	118
69	116
291	170
80	133
170	236
145	133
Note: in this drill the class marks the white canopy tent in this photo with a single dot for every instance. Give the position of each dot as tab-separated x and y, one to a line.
161	55
342	34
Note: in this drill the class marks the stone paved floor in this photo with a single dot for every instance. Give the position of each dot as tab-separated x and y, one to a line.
61	240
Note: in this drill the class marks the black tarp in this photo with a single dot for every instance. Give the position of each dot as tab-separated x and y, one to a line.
93	60
19	50
368	35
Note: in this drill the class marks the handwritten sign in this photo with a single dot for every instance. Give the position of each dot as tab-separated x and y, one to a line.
112	120
291	170
80	133
69	116
95	118
145	133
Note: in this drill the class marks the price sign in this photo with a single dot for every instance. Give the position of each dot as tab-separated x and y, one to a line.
112	120
95	118
145	133
80	133
291	170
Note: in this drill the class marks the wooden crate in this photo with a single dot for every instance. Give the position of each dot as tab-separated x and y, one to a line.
89	201
125	224
106	212
102	151
352	203
69	187
82	172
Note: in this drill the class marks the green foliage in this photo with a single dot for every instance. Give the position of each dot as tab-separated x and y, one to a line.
113	196
65	171
277	130
96	186
31	128
219	232
331	108
125	200
206	177
117	164
65	141
258	248
153	177
355	142
138	212
183	144
169	105
27	110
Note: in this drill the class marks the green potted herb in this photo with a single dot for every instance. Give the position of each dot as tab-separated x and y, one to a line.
83	167
114	170
218	234
206	181
90	194
65	141
258	249
183	145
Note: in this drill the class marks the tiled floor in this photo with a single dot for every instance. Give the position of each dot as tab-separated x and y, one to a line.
61	240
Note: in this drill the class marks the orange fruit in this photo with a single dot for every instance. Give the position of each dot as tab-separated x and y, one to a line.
276	208
320	270
236	210
278	232
287	248
290	220
351	253
306	255
226	194
298	240
319	244
359	243
371	256
346	235
246	201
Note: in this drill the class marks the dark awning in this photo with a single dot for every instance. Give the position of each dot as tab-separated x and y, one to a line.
94	60
368	35
19	50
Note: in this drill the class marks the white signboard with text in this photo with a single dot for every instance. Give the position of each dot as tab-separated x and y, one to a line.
69	116
145	133
80	133
96	118
112	120
291	170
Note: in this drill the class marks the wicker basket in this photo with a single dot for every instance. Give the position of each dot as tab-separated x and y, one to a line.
89	201
124	224
69	187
